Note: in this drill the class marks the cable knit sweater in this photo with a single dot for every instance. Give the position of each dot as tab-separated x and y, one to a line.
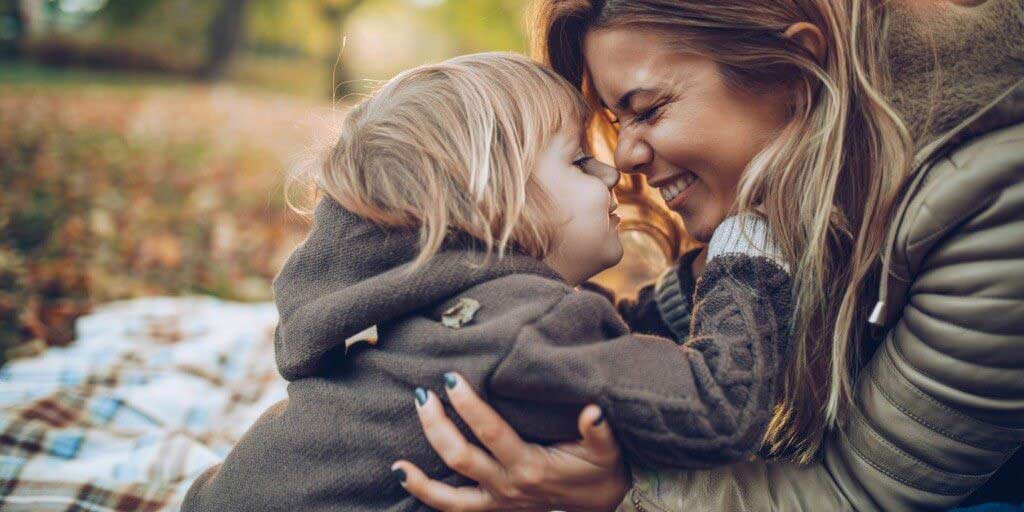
536	349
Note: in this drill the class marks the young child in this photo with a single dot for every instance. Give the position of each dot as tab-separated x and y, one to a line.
461	213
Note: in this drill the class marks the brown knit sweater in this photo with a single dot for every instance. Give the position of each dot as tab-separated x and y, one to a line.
536	349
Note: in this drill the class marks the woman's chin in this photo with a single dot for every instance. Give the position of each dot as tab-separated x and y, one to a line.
698	226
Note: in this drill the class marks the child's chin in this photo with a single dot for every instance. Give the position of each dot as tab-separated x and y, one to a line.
615	253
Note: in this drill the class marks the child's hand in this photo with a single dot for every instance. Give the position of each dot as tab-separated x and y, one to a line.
586	475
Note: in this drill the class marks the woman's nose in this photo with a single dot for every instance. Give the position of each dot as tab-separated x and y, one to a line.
632	154
604	172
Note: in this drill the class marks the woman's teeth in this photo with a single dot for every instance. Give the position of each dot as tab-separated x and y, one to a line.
670	191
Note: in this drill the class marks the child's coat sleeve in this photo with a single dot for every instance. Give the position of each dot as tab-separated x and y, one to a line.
701	404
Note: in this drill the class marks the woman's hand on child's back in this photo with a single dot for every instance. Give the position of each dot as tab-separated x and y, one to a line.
586	475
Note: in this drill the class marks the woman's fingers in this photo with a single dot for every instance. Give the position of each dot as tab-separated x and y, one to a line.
585	475
441	496
457	453
598	445
487	425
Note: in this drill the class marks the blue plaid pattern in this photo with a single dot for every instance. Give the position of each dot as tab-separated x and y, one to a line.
151	393
65	445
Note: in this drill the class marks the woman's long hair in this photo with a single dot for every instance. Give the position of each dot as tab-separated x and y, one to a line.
828	183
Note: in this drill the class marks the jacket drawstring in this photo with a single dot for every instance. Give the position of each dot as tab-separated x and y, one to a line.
879	313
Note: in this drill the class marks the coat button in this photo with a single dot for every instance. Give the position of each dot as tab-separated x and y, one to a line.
460	314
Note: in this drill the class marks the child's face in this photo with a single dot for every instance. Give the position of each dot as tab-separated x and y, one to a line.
581	192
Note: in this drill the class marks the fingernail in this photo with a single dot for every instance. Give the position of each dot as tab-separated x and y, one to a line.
599	420
450	381
421	396
400	475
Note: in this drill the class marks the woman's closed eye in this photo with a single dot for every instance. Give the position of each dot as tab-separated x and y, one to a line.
645	116
648	115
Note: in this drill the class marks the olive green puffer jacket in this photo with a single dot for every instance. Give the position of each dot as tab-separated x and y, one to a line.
940	406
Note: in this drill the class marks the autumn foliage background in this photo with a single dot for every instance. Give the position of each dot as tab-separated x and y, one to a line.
106	196
144	143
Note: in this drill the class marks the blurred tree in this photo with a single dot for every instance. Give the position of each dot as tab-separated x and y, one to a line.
288	27
296	46
126	12
480	26
224	36
13	27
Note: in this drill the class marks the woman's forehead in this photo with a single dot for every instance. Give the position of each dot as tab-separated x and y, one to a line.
626	63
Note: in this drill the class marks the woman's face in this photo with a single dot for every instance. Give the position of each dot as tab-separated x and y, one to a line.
580	189
680	124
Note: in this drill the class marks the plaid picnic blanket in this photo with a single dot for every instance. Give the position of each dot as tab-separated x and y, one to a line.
152	392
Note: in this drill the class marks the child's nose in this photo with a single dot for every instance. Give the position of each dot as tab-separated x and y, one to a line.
604	172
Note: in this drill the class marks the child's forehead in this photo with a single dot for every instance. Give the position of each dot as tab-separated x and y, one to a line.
557	109
568	137
573	124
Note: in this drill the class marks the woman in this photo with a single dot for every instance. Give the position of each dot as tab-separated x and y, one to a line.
778	107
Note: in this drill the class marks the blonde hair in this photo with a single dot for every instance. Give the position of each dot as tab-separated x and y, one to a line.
452	147
828	183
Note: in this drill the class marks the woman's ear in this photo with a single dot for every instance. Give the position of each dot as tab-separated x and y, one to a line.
810	37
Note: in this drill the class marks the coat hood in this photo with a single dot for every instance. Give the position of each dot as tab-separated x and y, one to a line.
351	274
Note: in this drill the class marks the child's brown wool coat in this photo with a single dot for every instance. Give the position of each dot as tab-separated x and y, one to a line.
537	350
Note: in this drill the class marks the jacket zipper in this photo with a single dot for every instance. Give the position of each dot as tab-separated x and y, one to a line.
638	499
637	505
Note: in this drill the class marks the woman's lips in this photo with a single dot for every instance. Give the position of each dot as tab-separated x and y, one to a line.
676	192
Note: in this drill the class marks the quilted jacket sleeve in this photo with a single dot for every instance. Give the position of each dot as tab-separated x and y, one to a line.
940	406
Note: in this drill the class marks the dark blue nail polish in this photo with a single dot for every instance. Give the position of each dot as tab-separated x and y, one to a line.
599	420
421	396
399	474
450	381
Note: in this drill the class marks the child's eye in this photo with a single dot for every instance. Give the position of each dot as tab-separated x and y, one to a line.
581	162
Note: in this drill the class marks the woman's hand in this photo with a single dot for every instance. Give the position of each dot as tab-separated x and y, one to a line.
586	475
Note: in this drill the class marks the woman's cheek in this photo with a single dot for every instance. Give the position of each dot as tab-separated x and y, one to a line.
676	142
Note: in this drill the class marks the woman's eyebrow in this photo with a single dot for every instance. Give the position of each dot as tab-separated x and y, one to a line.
626	99
624	102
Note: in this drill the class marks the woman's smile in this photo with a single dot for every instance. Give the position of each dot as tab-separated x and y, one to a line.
677	189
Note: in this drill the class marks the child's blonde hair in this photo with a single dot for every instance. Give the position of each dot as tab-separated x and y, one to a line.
452	147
